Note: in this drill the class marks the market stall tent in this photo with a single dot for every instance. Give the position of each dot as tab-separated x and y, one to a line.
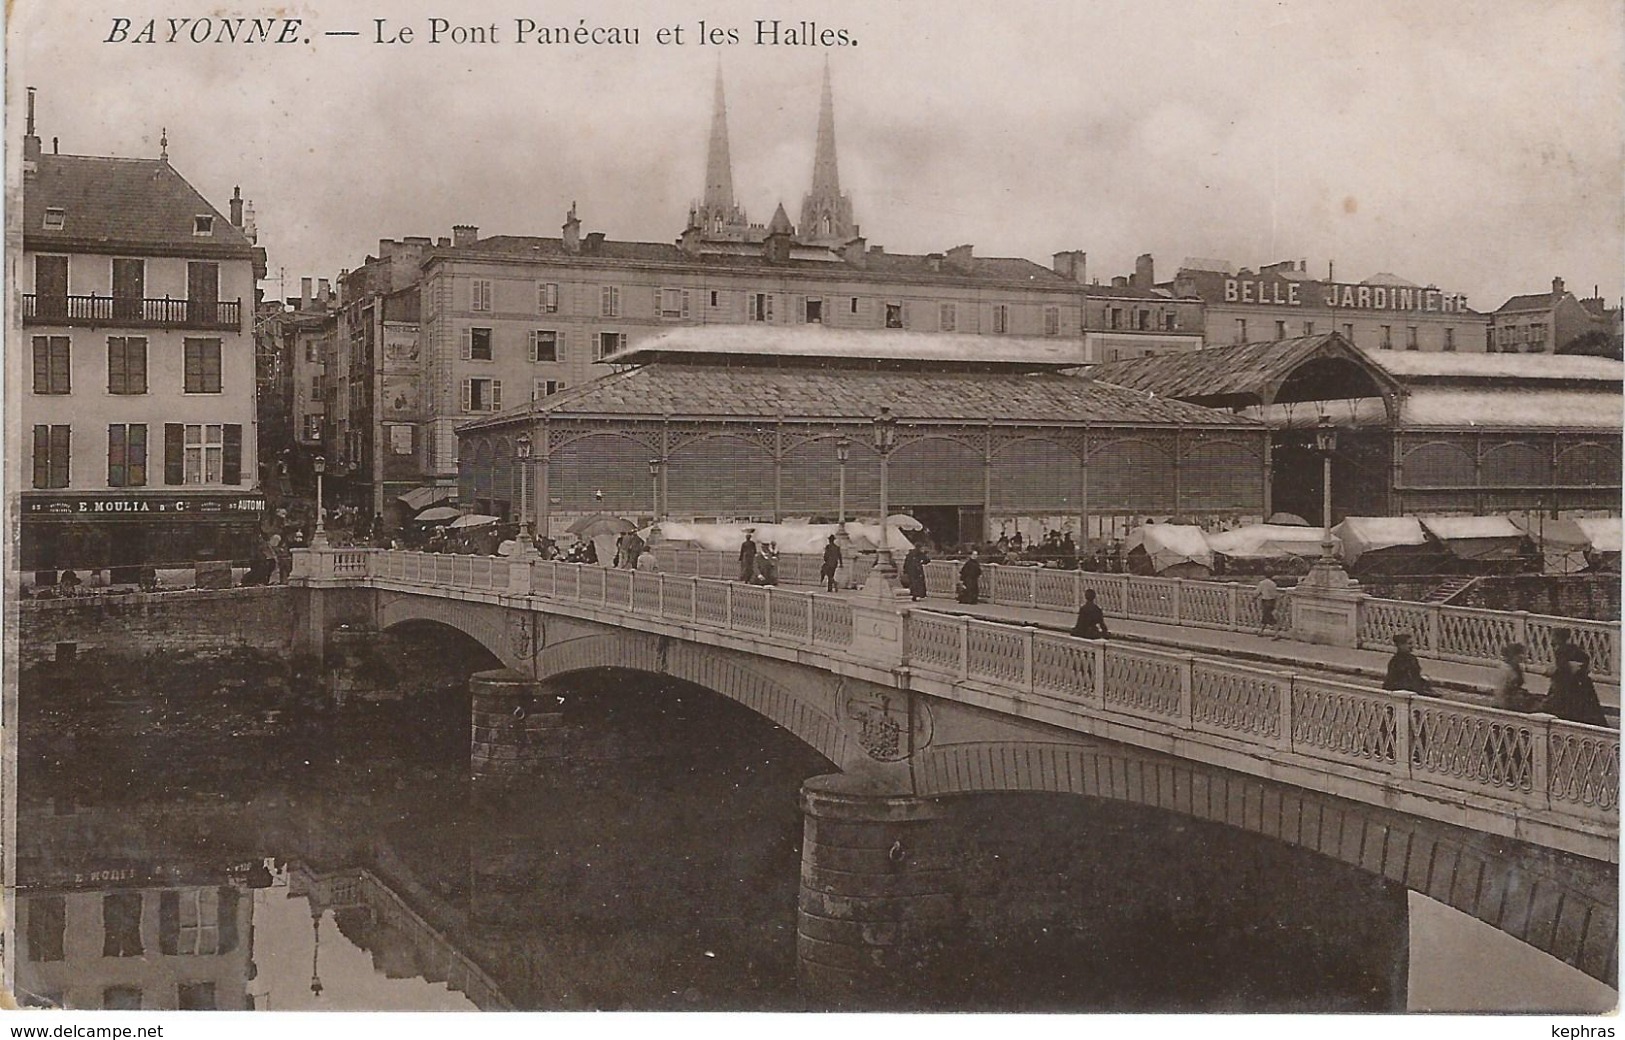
1171	550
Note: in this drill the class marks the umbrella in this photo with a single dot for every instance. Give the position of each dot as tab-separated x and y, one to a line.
429	516
601	523
1288	520
904	522
472	520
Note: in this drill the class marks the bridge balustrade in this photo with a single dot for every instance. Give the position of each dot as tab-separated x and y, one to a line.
1535	760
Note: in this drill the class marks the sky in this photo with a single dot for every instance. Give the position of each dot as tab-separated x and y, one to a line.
1472	145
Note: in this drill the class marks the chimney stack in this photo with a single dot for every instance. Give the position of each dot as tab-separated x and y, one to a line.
464	235
237	206
572	230
324	289
304	294
1557	288
1144	272
31	144
1072	264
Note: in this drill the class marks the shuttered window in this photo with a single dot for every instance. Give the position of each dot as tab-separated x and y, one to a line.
127	455
547	297
174	453
480	295
544	345
126	365
202	366
52	365
52	448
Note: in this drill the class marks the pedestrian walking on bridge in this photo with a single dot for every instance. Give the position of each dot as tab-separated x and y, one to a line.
1269	594
1091	619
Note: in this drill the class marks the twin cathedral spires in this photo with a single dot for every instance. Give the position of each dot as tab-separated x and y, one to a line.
718	220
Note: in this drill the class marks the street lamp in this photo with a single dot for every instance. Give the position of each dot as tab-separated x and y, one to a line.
315	949
527	544
654	479
1325	444
843	455
318	538
883	579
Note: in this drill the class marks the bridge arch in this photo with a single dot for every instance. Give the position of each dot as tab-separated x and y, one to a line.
802	713
1562	905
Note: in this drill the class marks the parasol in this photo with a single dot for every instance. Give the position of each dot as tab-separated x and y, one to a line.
438	513
601	523
472	520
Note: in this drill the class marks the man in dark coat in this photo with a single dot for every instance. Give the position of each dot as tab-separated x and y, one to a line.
1404	670
1091	619
747	559
914	573
832	563
1572	695
970	580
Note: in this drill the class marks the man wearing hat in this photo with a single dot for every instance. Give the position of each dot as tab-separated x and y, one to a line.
1405	671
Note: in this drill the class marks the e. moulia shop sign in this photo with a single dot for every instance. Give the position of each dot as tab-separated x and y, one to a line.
165	507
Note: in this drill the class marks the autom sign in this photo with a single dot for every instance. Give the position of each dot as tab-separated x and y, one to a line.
1281	292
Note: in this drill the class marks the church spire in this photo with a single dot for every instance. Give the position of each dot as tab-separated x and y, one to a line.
717	215
719	175
826	214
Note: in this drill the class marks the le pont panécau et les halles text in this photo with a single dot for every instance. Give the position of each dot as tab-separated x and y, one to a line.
580	32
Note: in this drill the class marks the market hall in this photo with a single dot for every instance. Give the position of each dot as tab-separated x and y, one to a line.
746	424
1417	433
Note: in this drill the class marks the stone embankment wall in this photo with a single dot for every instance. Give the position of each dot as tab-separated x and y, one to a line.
144	623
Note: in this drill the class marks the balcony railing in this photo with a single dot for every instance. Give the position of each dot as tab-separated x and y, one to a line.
222	315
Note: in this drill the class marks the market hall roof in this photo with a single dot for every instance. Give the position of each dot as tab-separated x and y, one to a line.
107	205
1405	389
712	343
1308	368
664	390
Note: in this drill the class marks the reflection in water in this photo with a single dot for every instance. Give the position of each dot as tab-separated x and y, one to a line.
346	862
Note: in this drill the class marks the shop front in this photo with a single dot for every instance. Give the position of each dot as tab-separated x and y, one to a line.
123	532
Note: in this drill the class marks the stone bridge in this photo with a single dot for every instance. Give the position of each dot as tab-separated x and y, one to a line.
1510	818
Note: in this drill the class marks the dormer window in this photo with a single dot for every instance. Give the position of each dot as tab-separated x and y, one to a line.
203	224
55	218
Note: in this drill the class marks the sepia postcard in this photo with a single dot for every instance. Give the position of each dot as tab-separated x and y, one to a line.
1084	509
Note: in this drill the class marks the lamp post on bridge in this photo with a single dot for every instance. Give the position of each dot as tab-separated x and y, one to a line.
527	544
882	581
654	480
1327	572
318	537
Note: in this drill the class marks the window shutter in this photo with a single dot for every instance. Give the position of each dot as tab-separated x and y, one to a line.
465	398
211	365
42	364
42	456
496	395
117	370
906	323
61	453
801	309
135	354
115	455
174	453
232	455
533	338
685	303
468	344
135	456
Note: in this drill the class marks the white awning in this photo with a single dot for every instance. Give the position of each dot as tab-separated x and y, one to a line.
422	497
1604	532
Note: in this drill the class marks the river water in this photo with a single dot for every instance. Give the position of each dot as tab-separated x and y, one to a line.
206	840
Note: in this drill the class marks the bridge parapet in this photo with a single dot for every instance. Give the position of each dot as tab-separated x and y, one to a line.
1529	776
1534	761
1468	634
